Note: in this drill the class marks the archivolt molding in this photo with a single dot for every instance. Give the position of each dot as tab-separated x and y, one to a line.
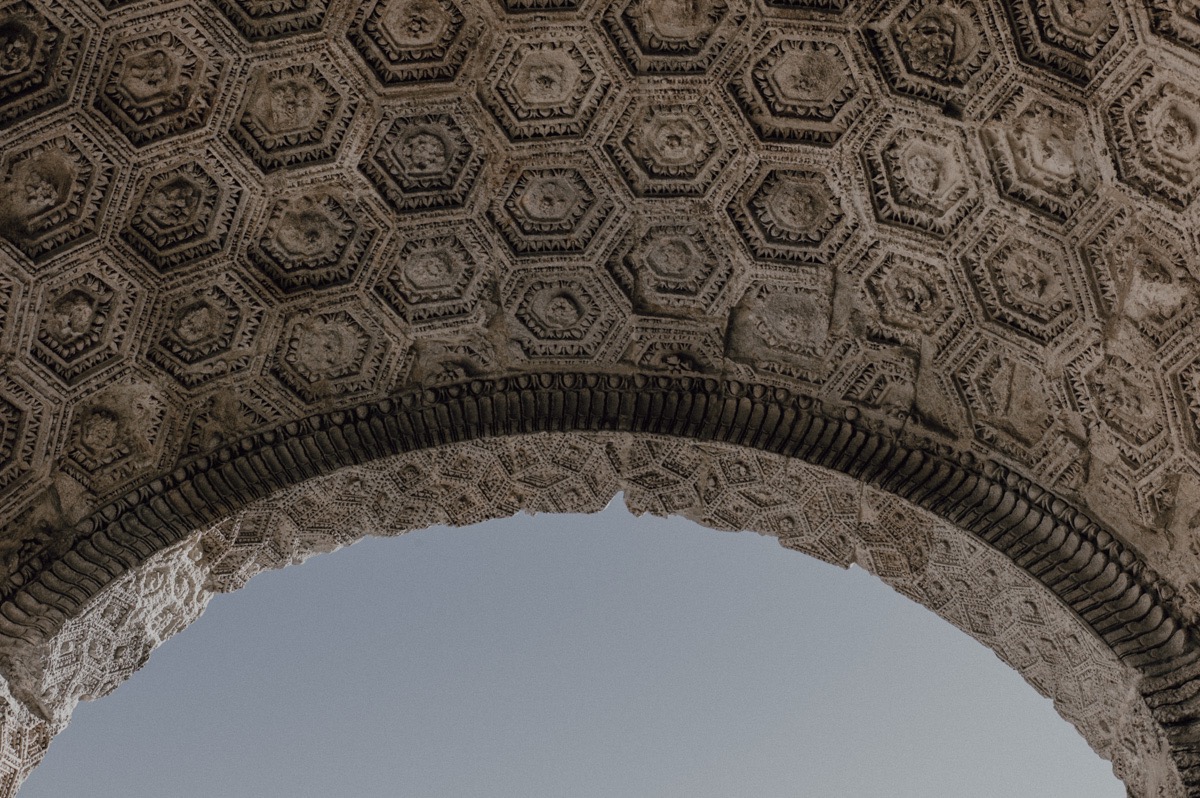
809	508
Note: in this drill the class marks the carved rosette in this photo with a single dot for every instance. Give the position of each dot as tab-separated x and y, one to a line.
183	213
565	317
40	49
1071	38
208	333
412	41
52	192
934	50
547	86
116	434
84	322
921	177
554	209
671	145
800	91
332	353
911	298
314	237
670	36
293	115
1154	127
1041	154
670	267
434	275
791	216
1021	279
160	82
425	161
268	20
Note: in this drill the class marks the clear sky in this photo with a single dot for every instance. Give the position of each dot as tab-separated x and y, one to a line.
593	656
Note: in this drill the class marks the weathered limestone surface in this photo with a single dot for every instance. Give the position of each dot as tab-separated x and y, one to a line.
941	254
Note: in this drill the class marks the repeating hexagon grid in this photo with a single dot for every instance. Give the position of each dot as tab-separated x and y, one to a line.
970	223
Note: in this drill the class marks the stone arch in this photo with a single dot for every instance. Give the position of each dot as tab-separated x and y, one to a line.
942	247
703	448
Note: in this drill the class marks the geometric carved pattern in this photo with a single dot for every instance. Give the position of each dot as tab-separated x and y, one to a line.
269	19
920	178
1177	21
802	90
1040	154
671	37
550	210
669	145
51	193
1021	282
313	238
672	268
1068	37
38	57
183	214
331	352
292	116
566	317
410	41
208	333
84	323
1154	126
900	214
790	216
1139	272
433	277
426	161
547	87
160	83
935	50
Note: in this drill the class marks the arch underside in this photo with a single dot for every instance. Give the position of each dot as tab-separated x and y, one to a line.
941	254
810	509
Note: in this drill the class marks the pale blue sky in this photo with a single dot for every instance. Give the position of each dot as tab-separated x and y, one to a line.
571	657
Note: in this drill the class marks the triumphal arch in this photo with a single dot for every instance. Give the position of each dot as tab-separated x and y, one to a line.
912	284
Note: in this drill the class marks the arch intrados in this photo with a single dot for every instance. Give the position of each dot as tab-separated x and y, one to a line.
1073	560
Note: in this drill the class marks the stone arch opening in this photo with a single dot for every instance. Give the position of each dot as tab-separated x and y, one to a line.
727	454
